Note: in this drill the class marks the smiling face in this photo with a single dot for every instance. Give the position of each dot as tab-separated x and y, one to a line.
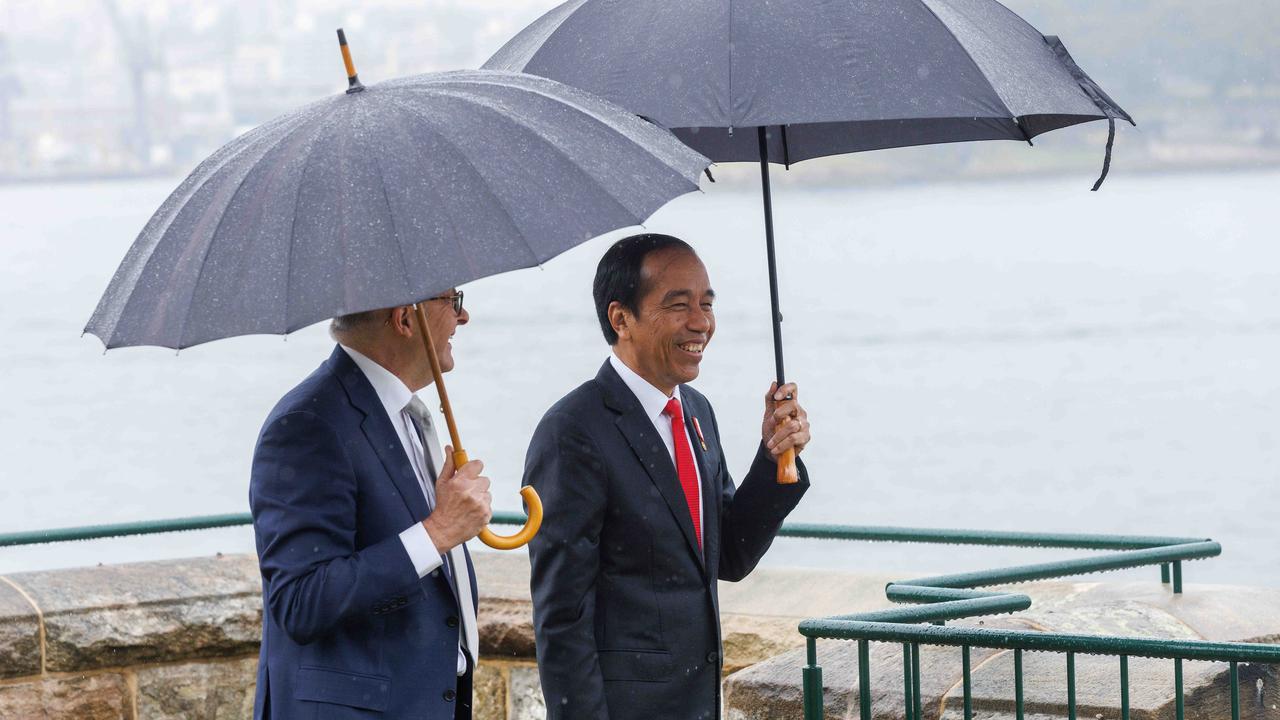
444	322
664	341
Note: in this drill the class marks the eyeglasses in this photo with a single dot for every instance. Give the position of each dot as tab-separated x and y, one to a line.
455	298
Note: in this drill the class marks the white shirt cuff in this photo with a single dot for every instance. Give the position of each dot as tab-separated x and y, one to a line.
422	552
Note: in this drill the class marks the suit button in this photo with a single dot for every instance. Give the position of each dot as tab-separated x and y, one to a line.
449	695
451	622
712	656
435	573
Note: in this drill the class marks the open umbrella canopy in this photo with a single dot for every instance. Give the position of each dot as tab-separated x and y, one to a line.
836	77
770	81
384	196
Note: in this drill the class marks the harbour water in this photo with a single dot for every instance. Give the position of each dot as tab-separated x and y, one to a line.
1023	355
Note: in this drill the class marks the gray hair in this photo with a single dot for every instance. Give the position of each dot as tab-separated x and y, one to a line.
353	322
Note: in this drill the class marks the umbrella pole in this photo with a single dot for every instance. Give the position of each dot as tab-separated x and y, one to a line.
459	455
531	499
787	474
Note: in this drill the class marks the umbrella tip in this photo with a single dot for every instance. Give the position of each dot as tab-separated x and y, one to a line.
353	80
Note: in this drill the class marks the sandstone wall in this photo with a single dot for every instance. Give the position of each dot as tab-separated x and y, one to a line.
179	639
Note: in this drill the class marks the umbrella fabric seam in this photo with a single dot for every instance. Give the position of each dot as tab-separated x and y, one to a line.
981	73
391	217
582	104
213	236
293	223
529	60
485	182
729	48
143	264
182	329
519	121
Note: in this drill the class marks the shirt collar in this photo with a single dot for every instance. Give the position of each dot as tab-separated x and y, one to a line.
652	400
391	390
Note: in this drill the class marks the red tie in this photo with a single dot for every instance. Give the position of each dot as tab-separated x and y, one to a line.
684	466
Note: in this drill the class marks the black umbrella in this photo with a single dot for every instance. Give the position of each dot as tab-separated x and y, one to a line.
814	78
384	196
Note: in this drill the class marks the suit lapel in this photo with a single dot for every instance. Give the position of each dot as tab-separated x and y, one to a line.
378	430
650	451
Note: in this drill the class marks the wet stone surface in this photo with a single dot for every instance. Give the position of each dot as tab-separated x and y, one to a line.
19	635
95	697
198	691
772	688
166	611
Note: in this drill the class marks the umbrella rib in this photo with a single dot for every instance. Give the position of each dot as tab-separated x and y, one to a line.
521	121
293	222
149	253
484	182
391	216
981	73
213	237
588	104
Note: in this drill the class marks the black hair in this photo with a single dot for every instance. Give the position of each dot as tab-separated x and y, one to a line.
618	276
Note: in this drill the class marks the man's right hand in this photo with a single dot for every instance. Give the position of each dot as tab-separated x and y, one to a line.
463	504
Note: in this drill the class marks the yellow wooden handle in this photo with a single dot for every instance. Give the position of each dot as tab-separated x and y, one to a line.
511	542
787	473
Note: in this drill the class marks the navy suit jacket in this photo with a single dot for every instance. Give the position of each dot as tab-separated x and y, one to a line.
625	604
348	628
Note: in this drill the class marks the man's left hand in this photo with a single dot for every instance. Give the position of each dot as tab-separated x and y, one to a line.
786	424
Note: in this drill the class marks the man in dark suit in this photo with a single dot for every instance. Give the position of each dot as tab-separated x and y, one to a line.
641	516
367	589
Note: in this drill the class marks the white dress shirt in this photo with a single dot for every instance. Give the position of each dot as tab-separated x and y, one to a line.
654	403
395	397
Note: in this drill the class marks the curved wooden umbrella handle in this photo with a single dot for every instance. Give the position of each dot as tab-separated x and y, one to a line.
526	533
531	526
497	542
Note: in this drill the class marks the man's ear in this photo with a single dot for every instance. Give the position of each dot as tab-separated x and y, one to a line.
402	320
620	319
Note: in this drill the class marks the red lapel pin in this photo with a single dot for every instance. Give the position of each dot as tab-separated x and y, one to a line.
698	429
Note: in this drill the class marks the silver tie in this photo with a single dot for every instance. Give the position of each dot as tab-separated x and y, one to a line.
454	559
418	411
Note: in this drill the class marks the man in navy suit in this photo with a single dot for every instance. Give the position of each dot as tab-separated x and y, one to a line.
641	516
368	593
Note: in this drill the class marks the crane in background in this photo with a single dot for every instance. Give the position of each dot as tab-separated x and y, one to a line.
141	59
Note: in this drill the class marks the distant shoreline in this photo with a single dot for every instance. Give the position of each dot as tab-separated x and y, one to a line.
746	174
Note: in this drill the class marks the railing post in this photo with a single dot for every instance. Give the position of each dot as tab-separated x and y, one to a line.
1235	690
915	681
1124	687
968	685
1177	576
1017	681
909	712
1178	700
1071	686
864	678
813	700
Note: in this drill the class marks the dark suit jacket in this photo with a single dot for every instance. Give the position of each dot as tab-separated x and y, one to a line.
625	606
348	629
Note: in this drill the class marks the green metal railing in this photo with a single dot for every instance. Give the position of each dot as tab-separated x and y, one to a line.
149	527
950	597
935	600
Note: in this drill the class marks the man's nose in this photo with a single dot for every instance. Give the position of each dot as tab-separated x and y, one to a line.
464	317
699	320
